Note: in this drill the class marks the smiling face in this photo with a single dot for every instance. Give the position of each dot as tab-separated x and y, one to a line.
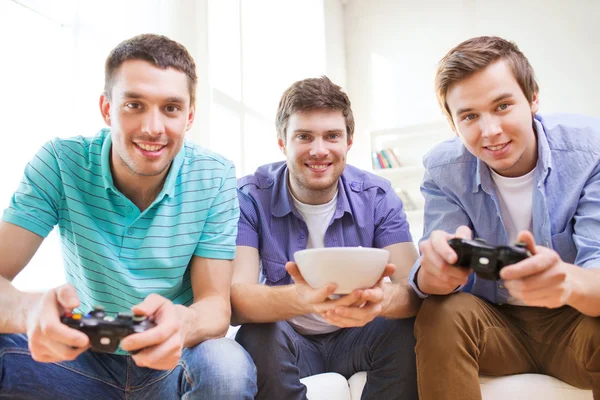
315	147
494	119
149	113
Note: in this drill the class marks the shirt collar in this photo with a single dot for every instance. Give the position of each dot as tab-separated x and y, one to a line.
169	185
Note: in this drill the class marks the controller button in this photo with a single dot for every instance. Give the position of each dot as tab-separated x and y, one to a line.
105	341
77	316
484	261
139	318
98	308
68	315
109	319
124	315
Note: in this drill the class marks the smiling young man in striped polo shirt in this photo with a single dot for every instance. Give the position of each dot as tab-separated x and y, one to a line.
148	223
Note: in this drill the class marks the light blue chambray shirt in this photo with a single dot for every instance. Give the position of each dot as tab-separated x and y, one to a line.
459	190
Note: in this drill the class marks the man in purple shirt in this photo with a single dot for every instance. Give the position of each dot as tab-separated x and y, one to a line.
315	200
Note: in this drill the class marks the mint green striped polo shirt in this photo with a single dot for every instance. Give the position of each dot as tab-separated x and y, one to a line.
114	254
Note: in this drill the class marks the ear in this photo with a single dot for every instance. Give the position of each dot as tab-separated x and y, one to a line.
105	109
535	103
281	145
190	118
350	141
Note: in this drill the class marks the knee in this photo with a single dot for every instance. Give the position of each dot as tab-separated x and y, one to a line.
445	315
587	342
222	363
259	338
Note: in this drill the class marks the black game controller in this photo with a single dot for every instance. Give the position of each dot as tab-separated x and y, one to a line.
485	259
105	332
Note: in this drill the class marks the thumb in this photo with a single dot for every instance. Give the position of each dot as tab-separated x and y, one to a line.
388	271
292	269
464	232
66	295
527	238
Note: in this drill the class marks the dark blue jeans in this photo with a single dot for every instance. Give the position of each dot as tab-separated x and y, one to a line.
215	369
383	348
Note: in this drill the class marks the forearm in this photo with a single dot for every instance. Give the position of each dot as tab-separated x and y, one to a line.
257	303
208	318
14	307
400	301
585	295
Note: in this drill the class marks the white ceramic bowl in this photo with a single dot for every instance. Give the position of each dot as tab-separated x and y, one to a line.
349	267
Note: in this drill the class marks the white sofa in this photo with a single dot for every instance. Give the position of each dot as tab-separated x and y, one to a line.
332	386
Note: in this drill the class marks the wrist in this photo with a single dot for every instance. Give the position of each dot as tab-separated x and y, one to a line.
578	285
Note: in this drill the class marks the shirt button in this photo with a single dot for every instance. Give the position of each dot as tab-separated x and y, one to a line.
501	286
129	209
130	231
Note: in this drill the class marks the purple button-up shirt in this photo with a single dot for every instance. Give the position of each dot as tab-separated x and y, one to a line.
368	213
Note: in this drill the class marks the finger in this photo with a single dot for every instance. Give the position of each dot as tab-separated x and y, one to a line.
527	238
164	356
545	280
63	352
374	295
67	298
389	270
464	232
321	295
153	336
353	317
292	269
345	301
445	283
440	249
56	331
442	270
534	265
151	304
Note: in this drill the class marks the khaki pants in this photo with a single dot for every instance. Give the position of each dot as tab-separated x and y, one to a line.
460	335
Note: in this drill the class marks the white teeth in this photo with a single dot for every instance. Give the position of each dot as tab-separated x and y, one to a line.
320	167
148	147
497	147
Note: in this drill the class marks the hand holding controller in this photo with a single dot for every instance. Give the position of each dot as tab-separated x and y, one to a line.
105	332
485	259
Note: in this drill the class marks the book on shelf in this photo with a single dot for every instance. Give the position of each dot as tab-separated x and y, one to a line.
385	158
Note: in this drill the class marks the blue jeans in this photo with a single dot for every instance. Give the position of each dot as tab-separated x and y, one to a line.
383	348
215	369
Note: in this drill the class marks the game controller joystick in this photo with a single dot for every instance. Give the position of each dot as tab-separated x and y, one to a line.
485	259
105	332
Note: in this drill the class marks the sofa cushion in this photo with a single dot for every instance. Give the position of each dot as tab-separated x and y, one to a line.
328	386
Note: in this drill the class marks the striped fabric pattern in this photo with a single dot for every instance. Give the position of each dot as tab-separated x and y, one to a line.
114	255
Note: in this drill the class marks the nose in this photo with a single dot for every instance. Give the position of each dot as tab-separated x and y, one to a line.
152	123
319	148
490	126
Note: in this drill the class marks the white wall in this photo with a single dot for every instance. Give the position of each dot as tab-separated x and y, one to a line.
393	46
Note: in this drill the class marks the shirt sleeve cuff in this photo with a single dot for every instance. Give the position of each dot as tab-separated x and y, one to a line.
412	281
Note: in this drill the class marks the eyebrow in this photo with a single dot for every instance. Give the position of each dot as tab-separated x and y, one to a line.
497	99
309	131
135	95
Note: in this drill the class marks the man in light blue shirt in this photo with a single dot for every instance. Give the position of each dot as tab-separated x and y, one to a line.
511	175
147	223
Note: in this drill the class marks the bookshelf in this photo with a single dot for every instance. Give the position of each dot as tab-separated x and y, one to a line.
408	144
